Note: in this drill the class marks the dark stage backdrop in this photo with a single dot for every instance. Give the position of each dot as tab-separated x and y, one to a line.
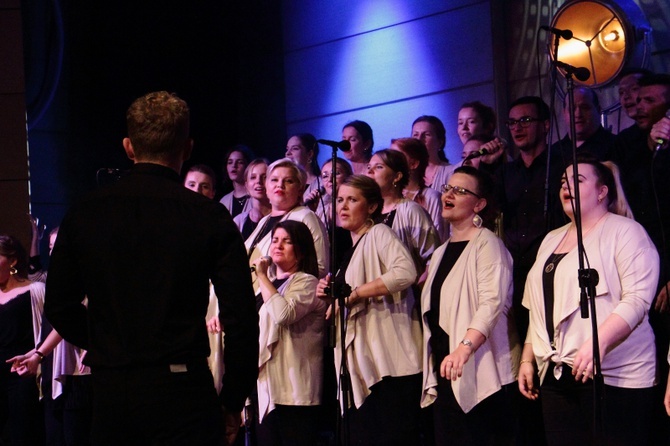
87	61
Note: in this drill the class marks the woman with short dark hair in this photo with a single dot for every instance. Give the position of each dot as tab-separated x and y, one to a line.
292	328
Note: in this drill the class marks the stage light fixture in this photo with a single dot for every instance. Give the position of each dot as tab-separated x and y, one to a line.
608	36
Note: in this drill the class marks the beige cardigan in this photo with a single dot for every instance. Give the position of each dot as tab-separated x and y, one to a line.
477	293
383	334
290	360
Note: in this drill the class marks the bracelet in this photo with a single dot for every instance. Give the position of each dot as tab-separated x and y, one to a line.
40	354
526	361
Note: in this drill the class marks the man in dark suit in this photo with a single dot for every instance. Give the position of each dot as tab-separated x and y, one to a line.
590	136
143	252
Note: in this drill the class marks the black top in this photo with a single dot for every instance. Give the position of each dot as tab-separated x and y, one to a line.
265	230
548	291
248	227
16	328
599	145
144	250
645	177
387	218
521	196
238	205
439	339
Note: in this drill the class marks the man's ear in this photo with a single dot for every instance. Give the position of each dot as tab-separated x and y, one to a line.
128	147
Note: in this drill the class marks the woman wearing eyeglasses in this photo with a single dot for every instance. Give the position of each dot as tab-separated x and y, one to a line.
471	349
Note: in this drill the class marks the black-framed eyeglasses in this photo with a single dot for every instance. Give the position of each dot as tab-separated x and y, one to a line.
523	122
457	190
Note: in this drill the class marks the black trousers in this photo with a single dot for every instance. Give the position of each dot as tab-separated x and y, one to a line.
567	410
290	426
21	416
390	415
155	406
491	422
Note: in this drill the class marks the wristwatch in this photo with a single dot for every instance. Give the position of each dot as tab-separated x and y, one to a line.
467	342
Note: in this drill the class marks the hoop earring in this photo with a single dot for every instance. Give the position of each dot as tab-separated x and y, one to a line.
477	221
13	271
370	221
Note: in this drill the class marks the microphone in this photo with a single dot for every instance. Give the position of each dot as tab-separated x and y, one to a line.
477	154
344	146
660	142
315	199
564	33
582	74
500	145
269	260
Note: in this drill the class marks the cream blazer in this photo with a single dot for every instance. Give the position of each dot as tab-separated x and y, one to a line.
628	266
290	361
383	334
477	293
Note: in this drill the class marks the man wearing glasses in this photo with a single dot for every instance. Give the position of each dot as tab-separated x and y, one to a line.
528	213
521	193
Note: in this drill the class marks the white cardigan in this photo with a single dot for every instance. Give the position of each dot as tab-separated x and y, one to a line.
415	229
477	293
628	266
383	334
290	360
431	201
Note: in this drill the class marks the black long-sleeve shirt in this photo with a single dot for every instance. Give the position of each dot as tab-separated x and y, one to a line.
645	178
143	251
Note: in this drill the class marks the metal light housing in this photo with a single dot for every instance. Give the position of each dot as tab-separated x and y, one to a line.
608	36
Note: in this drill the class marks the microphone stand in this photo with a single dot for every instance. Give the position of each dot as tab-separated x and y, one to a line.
552	102
588	278
342	433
